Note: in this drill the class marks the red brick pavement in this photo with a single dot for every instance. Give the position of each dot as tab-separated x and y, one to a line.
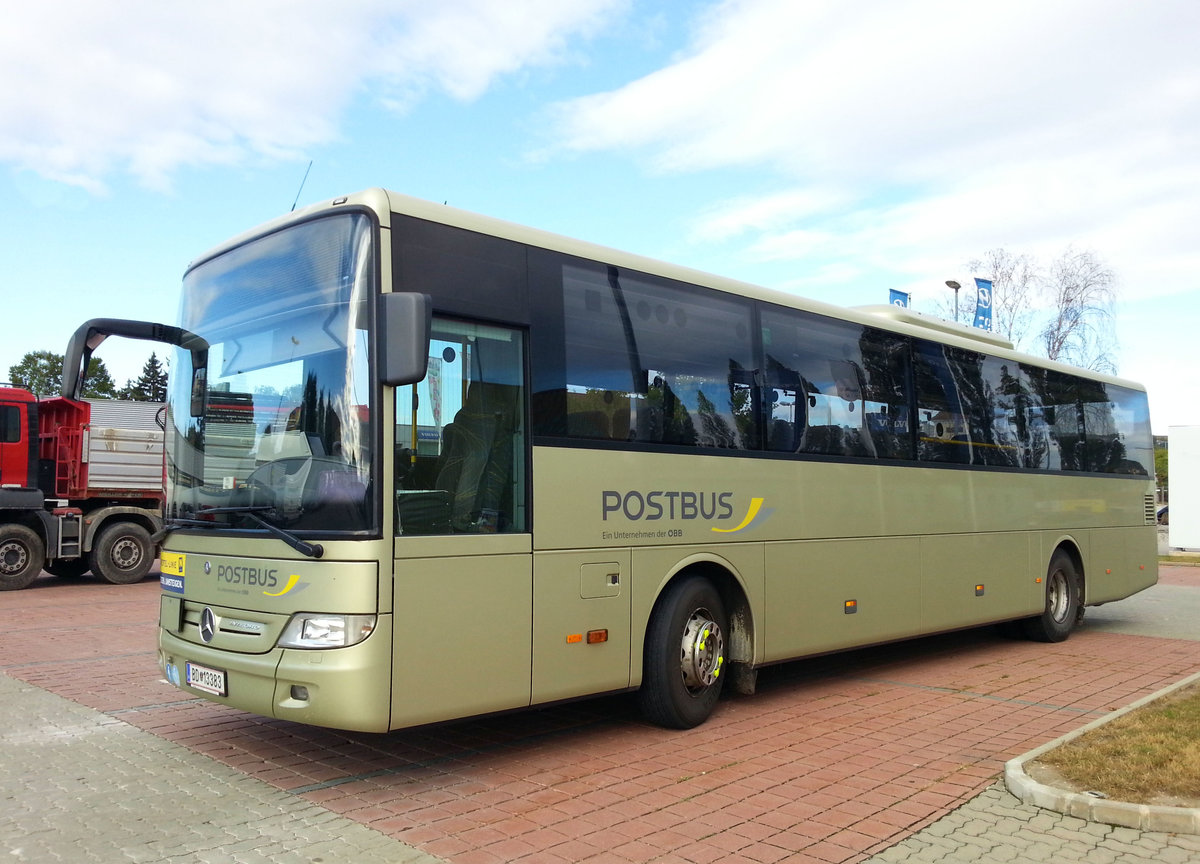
835	758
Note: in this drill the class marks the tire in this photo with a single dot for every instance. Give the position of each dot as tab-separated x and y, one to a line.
1063	602
68	568
22	554
122	553
684	655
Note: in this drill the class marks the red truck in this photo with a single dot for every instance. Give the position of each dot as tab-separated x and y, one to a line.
81	487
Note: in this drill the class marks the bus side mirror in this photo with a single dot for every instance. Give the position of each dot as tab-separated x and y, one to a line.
199	389
405	324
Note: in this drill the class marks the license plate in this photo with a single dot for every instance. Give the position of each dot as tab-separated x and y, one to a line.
206	679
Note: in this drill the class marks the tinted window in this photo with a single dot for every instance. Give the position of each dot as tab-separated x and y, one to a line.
991	411
619	356
943	432
650	361
1117	427
834	388
467	273
1055	418
10	424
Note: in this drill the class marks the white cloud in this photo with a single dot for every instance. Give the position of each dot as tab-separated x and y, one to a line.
904	134
888	89
145	86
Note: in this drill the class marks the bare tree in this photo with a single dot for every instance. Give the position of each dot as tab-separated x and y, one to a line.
1016	283
1072	301
1082	291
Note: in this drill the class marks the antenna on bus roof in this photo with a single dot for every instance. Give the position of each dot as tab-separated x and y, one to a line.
302	182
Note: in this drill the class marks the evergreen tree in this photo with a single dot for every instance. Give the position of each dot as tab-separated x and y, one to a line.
151	385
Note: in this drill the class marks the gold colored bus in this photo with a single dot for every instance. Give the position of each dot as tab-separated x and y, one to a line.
424	464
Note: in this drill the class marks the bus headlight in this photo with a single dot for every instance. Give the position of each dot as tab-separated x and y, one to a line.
311	630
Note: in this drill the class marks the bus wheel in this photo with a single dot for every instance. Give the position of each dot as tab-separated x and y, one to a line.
1062	602
685	655
21	556
122	553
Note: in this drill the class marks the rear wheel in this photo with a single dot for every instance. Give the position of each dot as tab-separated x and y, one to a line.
22	554
122	553
1063	602
685	655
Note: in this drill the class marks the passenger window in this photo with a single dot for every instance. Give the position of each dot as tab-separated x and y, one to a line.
460	452
1131	445
652	362
1005	435
943	432
1056	419
835	388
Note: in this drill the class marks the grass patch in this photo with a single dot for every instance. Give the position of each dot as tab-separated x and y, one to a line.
1179	559
1148	756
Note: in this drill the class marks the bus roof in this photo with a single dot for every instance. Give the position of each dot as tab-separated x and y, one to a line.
894	318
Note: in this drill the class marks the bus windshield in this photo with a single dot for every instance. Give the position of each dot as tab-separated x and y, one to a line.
272	431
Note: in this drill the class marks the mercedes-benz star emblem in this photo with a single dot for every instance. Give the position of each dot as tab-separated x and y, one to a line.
208	625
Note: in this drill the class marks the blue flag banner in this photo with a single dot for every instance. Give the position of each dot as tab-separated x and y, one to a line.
898	298
983	306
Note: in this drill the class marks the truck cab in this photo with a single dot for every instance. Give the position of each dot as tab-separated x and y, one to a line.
18	438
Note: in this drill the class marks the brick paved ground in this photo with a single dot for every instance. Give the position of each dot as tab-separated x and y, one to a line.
834	760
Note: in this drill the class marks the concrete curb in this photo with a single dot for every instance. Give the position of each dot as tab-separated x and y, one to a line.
1146	817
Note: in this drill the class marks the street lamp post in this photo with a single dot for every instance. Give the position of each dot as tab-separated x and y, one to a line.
954	286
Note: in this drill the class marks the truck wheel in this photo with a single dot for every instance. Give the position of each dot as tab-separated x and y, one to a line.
685	655
22	554
1062	602
67	568
122	553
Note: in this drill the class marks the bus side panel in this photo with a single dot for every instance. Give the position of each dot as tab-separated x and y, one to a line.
970	579
577	594
1122	561
824	595
462	637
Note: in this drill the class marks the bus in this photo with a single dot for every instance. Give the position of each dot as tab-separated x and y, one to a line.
424	464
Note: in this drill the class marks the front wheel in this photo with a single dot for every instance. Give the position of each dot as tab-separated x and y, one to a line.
122	553
22	554
1063	602
685	655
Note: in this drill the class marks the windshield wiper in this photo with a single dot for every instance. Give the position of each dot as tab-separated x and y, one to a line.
312	550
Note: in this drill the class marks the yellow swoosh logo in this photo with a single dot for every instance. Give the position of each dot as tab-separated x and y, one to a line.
755	504
291	583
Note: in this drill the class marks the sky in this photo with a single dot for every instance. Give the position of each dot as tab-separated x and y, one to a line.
828	149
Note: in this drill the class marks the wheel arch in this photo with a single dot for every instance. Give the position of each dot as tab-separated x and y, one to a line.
731	585
1069	546
97	520
37	521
